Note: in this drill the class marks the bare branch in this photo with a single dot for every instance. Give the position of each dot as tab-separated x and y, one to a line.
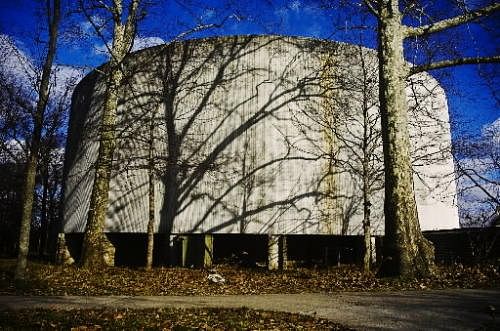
130	25
454	62
105	6
116	11
197	28
370	7
5	148
476	183
451	22
95	26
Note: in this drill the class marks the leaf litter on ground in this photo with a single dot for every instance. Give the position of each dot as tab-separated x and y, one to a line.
49	279
162	319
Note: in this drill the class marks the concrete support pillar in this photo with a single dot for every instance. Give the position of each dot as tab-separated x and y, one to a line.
283	253
273	252
208	252
184	243
373	250
196	250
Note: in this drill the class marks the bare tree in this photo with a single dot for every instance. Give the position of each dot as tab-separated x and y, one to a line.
362	137
407	252
51	170
350	120
96	249
477	161
12	161
151	192
53	17
18	98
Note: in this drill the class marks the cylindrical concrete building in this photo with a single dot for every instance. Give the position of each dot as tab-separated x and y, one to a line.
253	134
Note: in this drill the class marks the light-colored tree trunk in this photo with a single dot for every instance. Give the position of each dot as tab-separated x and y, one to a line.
367	247
151	198
38	119
366	171
97	251
273	252
406	252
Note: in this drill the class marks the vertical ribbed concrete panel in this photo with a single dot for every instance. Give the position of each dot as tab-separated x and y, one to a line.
246	139
435	186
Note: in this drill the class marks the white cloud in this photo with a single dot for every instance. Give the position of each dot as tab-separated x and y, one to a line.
145	42
13	151
139	43
89	28
63	80
479	179
20	68
16	65
492	132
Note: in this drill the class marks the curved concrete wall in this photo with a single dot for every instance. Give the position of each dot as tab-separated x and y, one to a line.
244	130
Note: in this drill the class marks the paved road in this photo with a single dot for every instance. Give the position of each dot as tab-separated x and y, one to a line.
407	310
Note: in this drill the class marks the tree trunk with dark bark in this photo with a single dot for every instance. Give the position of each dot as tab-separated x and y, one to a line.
170	176
44	219
31	164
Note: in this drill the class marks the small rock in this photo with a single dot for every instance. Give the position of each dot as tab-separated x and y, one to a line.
216	278
261	265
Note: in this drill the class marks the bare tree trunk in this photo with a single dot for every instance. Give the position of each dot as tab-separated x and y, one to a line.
171	201
44	220
366	190
31	164
151	199
97	251
406	252
171	174
367	253
366	171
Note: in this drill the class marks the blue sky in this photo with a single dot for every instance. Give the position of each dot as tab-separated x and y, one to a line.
470	99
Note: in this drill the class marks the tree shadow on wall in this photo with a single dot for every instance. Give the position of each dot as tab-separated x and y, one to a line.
211	125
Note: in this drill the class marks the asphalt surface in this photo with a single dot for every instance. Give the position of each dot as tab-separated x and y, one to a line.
405	310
